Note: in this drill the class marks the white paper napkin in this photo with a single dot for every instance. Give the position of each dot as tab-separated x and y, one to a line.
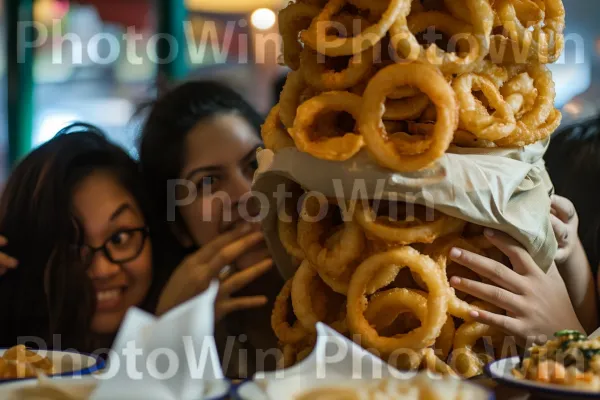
169	358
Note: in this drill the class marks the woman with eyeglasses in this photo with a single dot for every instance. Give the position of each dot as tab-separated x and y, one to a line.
76	216
204	136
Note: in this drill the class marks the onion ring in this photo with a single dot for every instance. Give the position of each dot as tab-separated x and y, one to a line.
520	93
286	334
543	43
319	77
405	232
316	36
302	298
331	148
405	108
477	31
437	301
431	362
385	307
537	123
293	19
274	134
332	261
290	97
288	231
466	361
473	119
430	82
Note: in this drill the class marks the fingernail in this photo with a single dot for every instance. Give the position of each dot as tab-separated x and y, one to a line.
455	280
474	314
455	253
489	233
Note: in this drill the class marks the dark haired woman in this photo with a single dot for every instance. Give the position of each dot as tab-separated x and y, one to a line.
207	135
77	218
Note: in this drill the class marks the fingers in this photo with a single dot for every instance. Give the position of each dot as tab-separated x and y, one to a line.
3	241
2	271
520	259
228	306
244	278
8	262
209	250
485	267
561	231
232	251
506	324
492	294
563	208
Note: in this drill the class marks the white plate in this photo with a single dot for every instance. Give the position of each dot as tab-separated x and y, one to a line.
501	372
68	364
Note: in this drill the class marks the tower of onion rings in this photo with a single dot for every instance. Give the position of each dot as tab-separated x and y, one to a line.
365	80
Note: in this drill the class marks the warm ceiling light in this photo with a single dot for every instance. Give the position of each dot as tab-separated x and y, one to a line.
263	19
233	6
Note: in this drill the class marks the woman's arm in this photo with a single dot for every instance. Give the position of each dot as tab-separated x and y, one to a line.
573	264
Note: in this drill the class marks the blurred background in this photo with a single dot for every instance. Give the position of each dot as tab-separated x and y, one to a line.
97	61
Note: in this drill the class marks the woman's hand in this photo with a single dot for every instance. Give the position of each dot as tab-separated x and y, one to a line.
194	274
6	262
565	224
537	303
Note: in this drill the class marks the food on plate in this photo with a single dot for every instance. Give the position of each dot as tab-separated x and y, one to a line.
421	386
571	359
472	73
19	362
379	273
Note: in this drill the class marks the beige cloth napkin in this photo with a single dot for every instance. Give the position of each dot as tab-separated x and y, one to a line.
504	189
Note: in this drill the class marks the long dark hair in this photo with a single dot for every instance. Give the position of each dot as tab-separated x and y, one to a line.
573	161
171	118
50	293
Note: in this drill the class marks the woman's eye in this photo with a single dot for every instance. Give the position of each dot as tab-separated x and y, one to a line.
120	238
252	166
208	185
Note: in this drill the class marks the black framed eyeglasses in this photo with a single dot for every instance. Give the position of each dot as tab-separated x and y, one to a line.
123	246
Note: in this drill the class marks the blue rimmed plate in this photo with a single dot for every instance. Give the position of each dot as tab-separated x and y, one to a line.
501	372
68	364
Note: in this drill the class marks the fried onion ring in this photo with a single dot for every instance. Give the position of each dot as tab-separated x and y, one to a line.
437	300
316	36
303	303
537	123
335	260
290	98
293	19
543	42
464	358
288	230
430	82
477	32
317	75
406	232
405	108
274	134
287	334
329	148
477	120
